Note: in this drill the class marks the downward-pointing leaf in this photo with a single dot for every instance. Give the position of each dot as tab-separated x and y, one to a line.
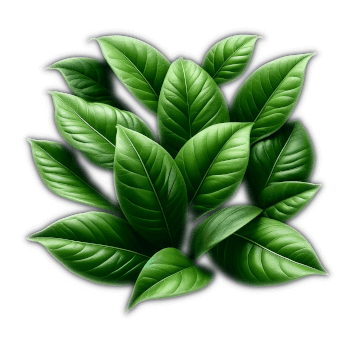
221	225
189	102
270	94
284	200
60	173
228	58
87	78
213	164
97	246
285	156
139	66
91	127
168	273
150	188
267	252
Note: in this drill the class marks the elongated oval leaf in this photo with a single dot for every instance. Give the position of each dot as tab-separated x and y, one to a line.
189	102
282	201
150	188
168	273
266	252
91	127
61	174
213	164
270	94
87	78
221	225
228	58
97	246
285	156
139	66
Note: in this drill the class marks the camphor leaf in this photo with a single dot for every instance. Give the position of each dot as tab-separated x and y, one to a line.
150	189
61	174
87	78
228	58
270	94
282	201
97	246
266	252
91	127
285	156
139	66
221	225
168	273
189	102
213	164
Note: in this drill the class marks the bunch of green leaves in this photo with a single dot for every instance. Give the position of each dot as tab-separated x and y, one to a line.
205	149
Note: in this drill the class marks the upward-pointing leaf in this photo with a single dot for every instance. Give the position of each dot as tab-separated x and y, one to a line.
87	78
91	127
60	173
189	102
228	58
150	188
270	94
97	246
139	66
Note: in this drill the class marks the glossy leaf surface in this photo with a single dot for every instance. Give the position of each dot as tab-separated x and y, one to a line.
87	78
282	201
189	102
168	273
213	164
270	94
91	127
139	66
287	155
150	188
228	58
266	252
97	246
61	174
221	225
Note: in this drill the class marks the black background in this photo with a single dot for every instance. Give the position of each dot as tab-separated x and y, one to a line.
52	293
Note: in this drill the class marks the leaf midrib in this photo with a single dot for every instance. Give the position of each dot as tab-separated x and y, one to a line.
188	105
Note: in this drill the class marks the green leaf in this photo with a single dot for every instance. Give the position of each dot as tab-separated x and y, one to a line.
97	246
270	94
169	273
150	189
61	174
139	66
91	127
189	102
285	156
87	78
267	252
213	164
229	58
284	200
221	225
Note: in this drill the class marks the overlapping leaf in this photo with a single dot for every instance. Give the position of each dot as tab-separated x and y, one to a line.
150	188
168	273
189	102
285	156
270	94
97	246
61	174
87	78
139	66
228	58
213	164
282	201
91	127
266	252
